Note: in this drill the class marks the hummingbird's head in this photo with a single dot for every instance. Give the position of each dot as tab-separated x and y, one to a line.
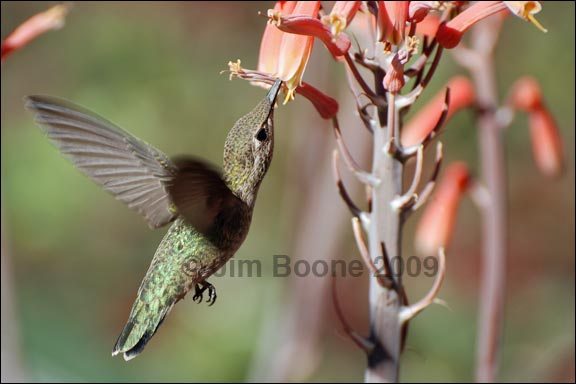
249	147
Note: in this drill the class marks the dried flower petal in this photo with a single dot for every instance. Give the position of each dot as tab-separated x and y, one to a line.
261	79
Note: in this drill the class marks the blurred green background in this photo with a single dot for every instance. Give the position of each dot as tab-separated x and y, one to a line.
73	257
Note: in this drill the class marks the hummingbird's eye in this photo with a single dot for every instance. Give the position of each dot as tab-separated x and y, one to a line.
262	134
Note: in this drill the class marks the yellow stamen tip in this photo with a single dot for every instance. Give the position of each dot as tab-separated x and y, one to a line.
533	20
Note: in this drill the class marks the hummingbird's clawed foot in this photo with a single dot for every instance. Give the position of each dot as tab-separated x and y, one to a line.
211	294
199	293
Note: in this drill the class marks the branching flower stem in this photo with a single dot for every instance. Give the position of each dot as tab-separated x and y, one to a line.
385	227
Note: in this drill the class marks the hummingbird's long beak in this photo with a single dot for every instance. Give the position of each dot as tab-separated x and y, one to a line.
273	92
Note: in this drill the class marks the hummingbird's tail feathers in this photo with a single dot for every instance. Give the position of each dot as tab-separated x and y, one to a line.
139	329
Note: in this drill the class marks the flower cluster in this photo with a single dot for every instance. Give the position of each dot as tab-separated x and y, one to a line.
400	42
292	26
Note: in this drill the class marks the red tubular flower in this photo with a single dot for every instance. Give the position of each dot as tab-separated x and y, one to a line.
461	96
384	23
53	18
338	45
450	34
285	55
437	223
294	52
341	15
428	26
325	105
272	40
525	95
392	16
398	10
546	142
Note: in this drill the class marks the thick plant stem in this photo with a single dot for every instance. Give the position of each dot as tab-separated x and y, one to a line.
493	284
385	228
493	172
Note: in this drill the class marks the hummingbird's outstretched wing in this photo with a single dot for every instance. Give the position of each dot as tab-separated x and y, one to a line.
130	169
133	171
200	193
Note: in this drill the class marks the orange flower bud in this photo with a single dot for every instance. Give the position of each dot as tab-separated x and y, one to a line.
461	95
546	142
525	94
436	225
53	18
394	79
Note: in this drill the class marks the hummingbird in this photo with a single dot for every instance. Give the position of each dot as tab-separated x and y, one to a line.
210	211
